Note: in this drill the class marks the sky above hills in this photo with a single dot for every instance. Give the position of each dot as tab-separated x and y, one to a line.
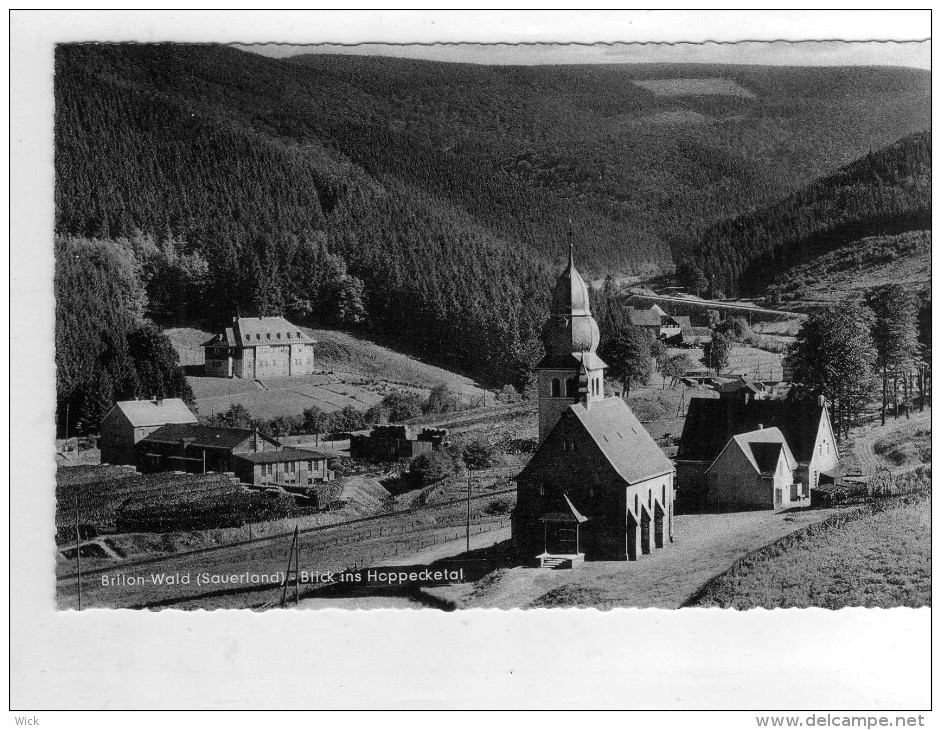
778	53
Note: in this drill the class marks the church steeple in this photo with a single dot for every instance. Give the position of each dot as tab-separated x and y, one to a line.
570	337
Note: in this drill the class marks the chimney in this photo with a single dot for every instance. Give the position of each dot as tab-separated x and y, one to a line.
761	427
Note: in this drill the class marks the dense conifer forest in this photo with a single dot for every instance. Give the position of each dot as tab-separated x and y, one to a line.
426	203
885	193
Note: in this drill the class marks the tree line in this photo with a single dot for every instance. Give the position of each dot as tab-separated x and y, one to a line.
106	347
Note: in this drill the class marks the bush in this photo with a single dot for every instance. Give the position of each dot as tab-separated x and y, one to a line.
499	507
432	466
402	406
441	400
509	394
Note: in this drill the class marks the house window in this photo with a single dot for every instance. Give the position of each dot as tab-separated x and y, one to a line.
267	335
556	388
310	466
649	498
278	335
542	490
292	467
289	335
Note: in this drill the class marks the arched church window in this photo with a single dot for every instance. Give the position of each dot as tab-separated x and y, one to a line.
571	385
556	388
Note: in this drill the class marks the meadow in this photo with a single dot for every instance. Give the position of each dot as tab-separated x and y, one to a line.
877	557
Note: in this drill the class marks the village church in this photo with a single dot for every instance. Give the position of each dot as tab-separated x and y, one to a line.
598	486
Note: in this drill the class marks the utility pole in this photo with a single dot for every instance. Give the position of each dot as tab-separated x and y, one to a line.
292	555
470	473
78	553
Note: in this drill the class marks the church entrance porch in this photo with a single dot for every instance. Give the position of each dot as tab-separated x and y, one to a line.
562	539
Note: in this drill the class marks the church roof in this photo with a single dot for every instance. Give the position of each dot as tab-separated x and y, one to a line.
621	438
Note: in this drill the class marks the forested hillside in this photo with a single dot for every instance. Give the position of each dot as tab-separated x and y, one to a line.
428	202
885	193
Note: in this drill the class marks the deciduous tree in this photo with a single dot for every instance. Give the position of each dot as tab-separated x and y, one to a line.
834	357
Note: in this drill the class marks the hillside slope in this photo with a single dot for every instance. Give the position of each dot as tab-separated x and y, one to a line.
855	269
446	191
885	193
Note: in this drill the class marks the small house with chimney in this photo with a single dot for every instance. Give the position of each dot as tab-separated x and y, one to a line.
755	470
712	422
130	421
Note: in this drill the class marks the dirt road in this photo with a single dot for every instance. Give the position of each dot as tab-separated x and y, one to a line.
705	546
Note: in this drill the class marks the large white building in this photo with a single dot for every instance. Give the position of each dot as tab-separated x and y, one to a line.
259	347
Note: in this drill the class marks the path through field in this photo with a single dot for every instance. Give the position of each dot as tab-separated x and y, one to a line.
705	546
860	450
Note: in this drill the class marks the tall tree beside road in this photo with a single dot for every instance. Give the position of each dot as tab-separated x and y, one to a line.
628	357
894	334
716	352
834	357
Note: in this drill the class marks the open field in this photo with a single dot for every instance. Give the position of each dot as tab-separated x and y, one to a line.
754	362
353	372
879	560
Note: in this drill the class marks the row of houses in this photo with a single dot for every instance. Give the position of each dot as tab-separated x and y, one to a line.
164	435
676	330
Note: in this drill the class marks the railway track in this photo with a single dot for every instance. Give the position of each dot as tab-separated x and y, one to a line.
258	541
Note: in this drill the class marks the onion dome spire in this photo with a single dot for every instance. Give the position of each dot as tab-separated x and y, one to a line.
571	328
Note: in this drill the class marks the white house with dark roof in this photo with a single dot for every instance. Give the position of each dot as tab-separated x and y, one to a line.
598	486
755	470
259	347
130	421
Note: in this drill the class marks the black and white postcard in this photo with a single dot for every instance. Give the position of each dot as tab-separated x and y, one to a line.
421	329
